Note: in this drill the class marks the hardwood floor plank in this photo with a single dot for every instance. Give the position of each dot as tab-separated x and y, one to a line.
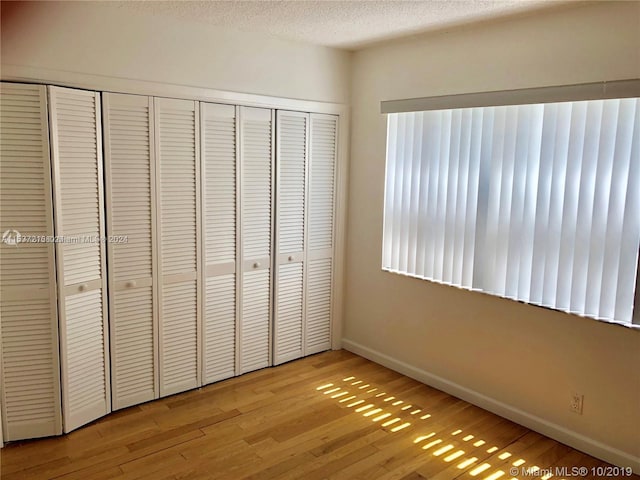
333	415
281	468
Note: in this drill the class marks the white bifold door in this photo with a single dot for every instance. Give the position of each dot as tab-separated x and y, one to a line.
76	155
218	259
256	192
219	181
305	206
131	253
30	374
152	180
291	211
177	151
323	141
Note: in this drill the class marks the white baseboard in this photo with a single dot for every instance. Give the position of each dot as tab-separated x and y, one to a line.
533	422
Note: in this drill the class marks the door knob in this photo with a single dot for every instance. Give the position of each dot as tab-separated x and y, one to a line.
256	265
130	284
83	287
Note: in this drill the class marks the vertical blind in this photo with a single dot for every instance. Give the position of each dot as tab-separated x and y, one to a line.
537	203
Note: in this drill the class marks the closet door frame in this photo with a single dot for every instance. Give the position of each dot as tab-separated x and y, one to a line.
339	223
239	249
239	252
101	283
112	284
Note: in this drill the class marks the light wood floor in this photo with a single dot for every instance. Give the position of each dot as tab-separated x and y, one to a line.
332	415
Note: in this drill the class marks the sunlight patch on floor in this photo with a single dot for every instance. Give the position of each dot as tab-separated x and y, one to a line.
373	406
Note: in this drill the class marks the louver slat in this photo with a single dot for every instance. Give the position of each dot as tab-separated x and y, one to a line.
29	327
219	203
77	165
177	159
128	135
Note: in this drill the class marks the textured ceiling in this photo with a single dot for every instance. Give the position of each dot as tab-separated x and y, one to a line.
348	24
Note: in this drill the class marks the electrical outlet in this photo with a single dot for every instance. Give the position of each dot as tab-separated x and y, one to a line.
577	399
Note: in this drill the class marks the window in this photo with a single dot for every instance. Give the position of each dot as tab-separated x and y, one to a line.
538	203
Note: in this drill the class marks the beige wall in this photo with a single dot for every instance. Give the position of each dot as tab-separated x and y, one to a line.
103	39
523	356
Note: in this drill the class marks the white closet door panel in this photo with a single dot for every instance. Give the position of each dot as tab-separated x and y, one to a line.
292	154
220	328
179	338
256	198
132	347
219	189
31	391
318	306
78	182
176	123
256	201
87	390
289	313
324	130
77	172
30	375
291	171
25	204
219	170
130	193
128	144
320	231
178	192
256	315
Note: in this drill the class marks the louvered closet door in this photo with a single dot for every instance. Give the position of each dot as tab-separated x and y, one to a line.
219	180
77	167
178	177
256	153
291	168
320	232
130	195
30	378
